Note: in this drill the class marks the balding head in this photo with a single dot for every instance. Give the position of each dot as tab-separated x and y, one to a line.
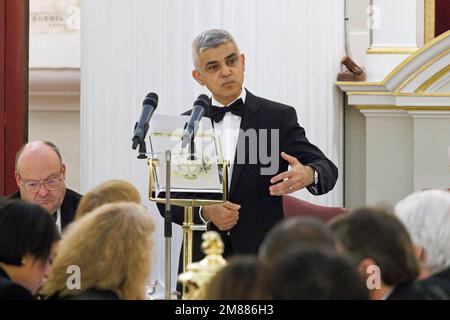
43	147
39	162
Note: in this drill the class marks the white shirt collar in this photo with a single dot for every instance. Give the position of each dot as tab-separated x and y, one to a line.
387	294
58	220
242	96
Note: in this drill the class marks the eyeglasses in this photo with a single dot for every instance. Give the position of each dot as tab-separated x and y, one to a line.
49	184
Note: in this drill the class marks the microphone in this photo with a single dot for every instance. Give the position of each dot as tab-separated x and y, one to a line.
141	127
191	127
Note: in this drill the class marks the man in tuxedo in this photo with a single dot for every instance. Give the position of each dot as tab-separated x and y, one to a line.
40	175
242	120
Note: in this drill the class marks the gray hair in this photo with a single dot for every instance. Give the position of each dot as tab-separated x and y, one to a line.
426	216
210	39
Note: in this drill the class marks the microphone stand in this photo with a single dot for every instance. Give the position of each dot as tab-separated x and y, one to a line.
168	230
141	142
142	150
192	149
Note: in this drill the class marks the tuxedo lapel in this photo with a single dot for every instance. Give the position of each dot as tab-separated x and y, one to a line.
250	120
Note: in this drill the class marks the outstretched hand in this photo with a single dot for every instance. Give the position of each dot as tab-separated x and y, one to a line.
298	177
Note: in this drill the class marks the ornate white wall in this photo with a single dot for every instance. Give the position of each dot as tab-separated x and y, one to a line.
54	79
402	134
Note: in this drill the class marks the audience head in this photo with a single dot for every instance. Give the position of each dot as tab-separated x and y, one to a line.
235	281
40	175
111	246
294	231
107	192
28	238
310	272
426	215
375	239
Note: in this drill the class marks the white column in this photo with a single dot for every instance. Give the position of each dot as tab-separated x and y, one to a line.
431	149
130	48
389	156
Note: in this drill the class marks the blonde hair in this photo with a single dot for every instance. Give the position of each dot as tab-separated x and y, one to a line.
107	192
112	246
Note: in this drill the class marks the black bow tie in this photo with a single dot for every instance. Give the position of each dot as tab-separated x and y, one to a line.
217	113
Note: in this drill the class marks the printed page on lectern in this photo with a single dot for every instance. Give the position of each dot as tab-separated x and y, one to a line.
193	169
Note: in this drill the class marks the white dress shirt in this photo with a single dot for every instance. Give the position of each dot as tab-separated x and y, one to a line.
227	131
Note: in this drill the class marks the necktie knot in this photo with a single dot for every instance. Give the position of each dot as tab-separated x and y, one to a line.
236	108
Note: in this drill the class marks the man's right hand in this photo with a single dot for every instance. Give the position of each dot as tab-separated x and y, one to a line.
224	215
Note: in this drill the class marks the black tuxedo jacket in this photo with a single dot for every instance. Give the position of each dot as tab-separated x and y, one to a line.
438	285
68	206
248	188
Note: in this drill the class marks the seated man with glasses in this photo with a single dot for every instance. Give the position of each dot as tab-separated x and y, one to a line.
40	175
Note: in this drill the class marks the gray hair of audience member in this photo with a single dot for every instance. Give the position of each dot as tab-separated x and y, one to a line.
310	272
293	231
210	39
426	216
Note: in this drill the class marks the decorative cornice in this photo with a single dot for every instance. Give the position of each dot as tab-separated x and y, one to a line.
54	82
390	111
435	78
54	90
422	69
384	113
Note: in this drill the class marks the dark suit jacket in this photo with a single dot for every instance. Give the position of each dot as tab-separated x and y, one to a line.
416	291
12	291
68	206
90	294
259	210
438	285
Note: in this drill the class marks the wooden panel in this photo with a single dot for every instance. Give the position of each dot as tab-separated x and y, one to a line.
2	96
14	85
442	20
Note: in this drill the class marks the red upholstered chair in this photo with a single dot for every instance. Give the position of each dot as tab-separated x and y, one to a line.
296	207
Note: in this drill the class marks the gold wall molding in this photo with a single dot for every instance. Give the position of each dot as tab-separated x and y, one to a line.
398	94
377	107
391	50
360	83
429	20
435	78
414	55
402	108
421	69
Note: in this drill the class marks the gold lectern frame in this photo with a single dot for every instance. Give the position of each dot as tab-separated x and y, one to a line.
188	204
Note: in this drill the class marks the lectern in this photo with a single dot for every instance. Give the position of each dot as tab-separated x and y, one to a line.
198	174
